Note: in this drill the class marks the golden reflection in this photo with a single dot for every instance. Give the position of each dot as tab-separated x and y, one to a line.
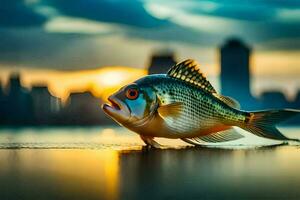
83	172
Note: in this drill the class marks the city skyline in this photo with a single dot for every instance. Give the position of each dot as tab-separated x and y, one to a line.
21	106
62	82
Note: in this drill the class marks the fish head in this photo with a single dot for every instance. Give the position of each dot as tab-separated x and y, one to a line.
132	105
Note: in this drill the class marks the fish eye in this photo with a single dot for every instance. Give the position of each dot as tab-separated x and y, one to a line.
132	93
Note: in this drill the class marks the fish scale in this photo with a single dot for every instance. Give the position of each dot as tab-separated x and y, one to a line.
201	110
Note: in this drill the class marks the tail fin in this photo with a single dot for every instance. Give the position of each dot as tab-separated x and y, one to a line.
262	123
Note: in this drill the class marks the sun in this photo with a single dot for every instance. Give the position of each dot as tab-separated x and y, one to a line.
110	79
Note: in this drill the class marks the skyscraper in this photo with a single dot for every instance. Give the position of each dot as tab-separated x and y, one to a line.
82	108
160	63
235	72
45	106
19	102
2	105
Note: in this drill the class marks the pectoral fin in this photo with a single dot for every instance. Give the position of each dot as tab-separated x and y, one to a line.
222	136
170	110
151	142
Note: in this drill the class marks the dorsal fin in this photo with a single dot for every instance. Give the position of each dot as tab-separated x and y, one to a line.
189	72
228	100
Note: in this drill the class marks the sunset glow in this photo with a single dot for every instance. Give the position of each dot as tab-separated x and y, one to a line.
108	81
112	78
101	82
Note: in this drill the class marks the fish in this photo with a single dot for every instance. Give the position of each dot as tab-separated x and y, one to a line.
182	104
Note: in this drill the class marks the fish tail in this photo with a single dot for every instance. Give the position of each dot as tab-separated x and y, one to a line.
263	123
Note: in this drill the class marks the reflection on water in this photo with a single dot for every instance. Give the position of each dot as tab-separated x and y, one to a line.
109	138
211	174
59	174
125	170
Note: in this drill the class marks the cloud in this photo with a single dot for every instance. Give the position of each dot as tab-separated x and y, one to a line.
77	25
239	11
129	12
193	22
37	48
255	23
34	47
90	33
18	14
289	16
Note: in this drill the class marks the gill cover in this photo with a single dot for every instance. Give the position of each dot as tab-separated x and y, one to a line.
141	105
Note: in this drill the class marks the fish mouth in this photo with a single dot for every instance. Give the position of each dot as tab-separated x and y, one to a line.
116	109
114	104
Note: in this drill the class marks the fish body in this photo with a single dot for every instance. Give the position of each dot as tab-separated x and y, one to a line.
183	104
200	112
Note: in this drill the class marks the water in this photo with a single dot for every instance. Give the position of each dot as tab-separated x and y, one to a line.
110	163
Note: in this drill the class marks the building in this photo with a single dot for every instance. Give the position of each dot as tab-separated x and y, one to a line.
296	103
45	106
83	109
2	107
1	91
235	73
273	100
160	63
18	107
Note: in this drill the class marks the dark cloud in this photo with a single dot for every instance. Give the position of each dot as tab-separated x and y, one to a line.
177	34
254	21
129	12
15	13
34	47
273	36
39	49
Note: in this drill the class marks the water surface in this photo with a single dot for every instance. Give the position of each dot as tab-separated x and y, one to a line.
110	163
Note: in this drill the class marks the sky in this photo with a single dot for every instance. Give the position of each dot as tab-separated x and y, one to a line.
90	34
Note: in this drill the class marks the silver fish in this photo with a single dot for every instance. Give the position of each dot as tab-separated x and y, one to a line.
183	104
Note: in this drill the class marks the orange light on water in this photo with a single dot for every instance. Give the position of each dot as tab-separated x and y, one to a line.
77	172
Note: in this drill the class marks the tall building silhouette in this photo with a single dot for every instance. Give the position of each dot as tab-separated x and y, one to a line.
2	105
19	102
273	100
1	91
235	72
45	106
297	101
161	62
82	108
